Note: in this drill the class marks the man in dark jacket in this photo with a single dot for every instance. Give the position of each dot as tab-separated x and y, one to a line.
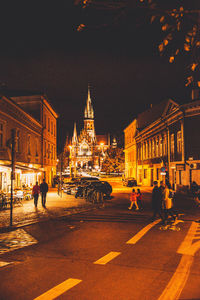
157	202
44	190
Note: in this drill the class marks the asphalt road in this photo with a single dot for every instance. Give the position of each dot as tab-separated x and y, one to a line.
108	253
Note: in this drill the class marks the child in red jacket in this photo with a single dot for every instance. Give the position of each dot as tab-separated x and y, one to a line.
133	199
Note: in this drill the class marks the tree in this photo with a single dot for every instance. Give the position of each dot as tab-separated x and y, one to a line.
179	21
114	161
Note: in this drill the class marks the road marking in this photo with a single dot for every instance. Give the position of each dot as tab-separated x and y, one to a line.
178	280
4	263
108	257
59	289
186	246
142	232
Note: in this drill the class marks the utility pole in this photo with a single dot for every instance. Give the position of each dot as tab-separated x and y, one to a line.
13	139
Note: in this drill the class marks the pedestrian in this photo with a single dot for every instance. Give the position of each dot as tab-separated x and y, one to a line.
168	203
133	199
44	190
139	199
35	193
157	202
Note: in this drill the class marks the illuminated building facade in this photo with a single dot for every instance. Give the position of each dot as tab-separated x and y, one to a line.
28	140
88	149
167	144
36	134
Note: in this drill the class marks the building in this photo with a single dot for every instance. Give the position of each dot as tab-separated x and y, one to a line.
38	108
27	132
167	144
87	149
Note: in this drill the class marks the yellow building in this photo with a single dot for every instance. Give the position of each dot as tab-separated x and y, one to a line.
130	150
39	107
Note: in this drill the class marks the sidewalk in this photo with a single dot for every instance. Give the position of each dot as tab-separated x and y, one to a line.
56	206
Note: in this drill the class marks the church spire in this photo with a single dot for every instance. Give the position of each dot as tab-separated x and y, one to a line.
74	139
89	112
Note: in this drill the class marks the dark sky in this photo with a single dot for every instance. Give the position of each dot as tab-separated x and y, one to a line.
41	50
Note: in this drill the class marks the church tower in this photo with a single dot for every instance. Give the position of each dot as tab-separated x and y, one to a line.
89	118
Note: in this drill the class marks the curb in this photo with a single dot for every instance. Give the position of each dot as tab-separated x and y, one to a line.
17	226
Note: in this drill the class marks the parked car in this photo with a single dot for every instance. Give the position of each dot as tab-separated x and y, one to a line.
130	182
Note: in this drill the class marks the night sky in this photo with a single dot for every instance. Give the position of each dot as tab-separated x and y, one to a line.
41	50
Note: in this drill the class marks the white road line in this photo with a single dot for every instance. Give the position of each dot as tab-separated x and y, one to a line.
4	263
186	246
105	259
59	289
178	280
142	232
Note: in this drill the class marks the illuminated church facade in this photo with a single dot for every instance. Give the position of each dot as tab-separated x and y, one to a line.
87	149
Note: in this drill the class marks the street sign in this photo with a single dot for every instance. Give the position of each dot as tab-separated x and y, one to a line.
163	169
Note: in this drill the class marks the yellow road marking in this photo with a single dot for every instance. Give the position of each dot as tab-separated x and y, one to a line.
142	232
4	263
178	280
105	259
186	246
59	289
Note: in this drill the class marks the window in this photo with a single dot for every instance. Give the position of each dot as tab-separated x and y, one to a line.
165	145
172	143
54	130
51	151
145	173
45	121
150	149
17	146
45	149
48	151
172	147
51	127
49	124
153	148
179	142
157	147
29	144
1	135
36	147
161	146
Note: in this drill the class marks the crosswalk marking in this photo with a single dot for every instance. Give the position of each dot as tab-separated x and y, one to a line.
4	263
108	257
59	289
142	232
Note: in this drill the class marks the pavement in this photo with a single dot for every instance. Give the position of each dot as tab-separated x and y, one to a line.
56	206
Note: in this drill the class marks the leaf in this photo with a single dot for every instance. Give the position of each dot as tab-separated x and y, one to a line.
171	59
193	67
186	47
162	19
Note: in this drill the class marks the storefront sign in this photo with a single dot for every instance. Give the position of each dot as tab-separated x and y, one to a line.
180	167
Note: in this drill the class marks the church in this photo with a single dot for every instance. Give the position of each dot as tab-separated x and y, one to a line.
88	150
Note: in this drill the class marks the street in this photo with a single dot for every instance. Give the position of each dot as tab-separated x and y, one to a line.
103	253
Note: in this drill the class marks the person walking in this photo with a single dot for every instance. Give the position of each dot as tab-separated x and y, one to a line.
133	199
157	202
35	193
168	203
139	199
44	190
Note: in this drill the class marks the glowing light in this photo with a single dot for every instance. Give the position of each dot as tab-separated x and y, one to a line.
30	165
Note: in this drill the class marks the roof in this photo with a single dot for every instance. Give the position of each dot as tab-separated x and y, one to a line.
151	115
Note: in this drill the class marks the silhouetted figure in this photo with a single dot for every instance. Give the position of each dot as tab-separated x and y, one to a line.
44	190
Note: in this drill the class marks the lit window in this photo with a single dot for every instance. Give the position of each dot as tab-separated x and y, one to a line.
179	142
1	135
172	143
145	173
29	144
